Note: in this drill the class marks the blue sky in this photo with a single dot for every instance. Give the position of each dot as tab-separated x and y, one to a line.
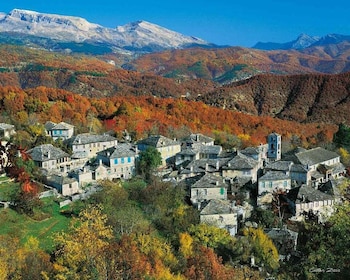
235	23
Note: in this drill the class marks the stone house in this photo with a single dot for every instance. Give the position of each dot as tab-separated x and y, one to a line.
241	166
88	145
197	138
220	213
207	188
167	147
197	151
65	185
51	158
61	130
321	164
82	175
309	199
203	166
120	160
273	181
258	153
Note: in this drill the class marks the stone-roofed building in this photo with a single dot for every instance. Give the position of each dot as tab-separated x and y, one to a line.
241	166
281	165
208	187
321	163
50	158
273	181
65	185
203	166
310	199
258	153
197	138
299	174
197	151
61	130
220	213
6	130
90	144
120	160
167	147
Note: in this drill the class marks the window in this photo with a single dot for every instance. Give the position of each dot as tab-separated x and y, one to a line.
115	161
222	191
129	159
285	184
122	160
270	183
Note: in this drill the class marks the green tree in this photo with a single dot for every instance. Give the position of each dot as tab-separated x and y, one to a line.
150	159
342	137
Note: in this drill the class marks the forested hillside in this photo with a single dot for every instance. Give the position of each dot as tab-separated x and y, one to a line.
300	98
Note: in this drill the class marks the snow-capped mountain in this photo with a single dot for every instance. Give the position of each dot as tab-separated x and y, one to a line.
137	35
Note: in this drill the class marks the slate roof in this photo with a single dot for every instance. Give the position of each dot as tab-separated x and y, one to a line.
209	181
241	161
49	125
298	168
119	151
60	126
315	156
46	152
158	141
280	165
201	148
87	138
274	175
205	165
61	180
217	207
198	138
63	126
310	194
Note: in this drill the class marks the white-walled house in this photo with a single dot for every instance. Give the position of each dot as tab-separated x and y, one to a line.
207	188
274	181
120	160
316	201
90	144
321	164
65	185
61	130
51	158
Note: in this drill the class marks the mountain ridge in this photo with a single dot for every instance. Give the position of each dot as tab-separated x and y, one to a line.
136	35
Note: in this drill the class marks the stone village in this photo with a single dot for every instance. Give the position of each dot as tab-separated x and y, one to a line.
224	186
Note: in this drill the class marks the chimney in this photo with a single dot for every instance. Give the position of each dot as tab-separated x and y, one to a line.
206	167
217	165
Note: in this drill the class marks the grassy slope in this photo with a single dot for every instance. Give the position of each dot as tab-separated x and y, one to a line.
22	226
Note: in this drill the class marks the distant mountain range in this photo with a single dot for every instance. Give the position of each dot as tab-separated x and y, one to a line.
56	31
303	41
75	34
